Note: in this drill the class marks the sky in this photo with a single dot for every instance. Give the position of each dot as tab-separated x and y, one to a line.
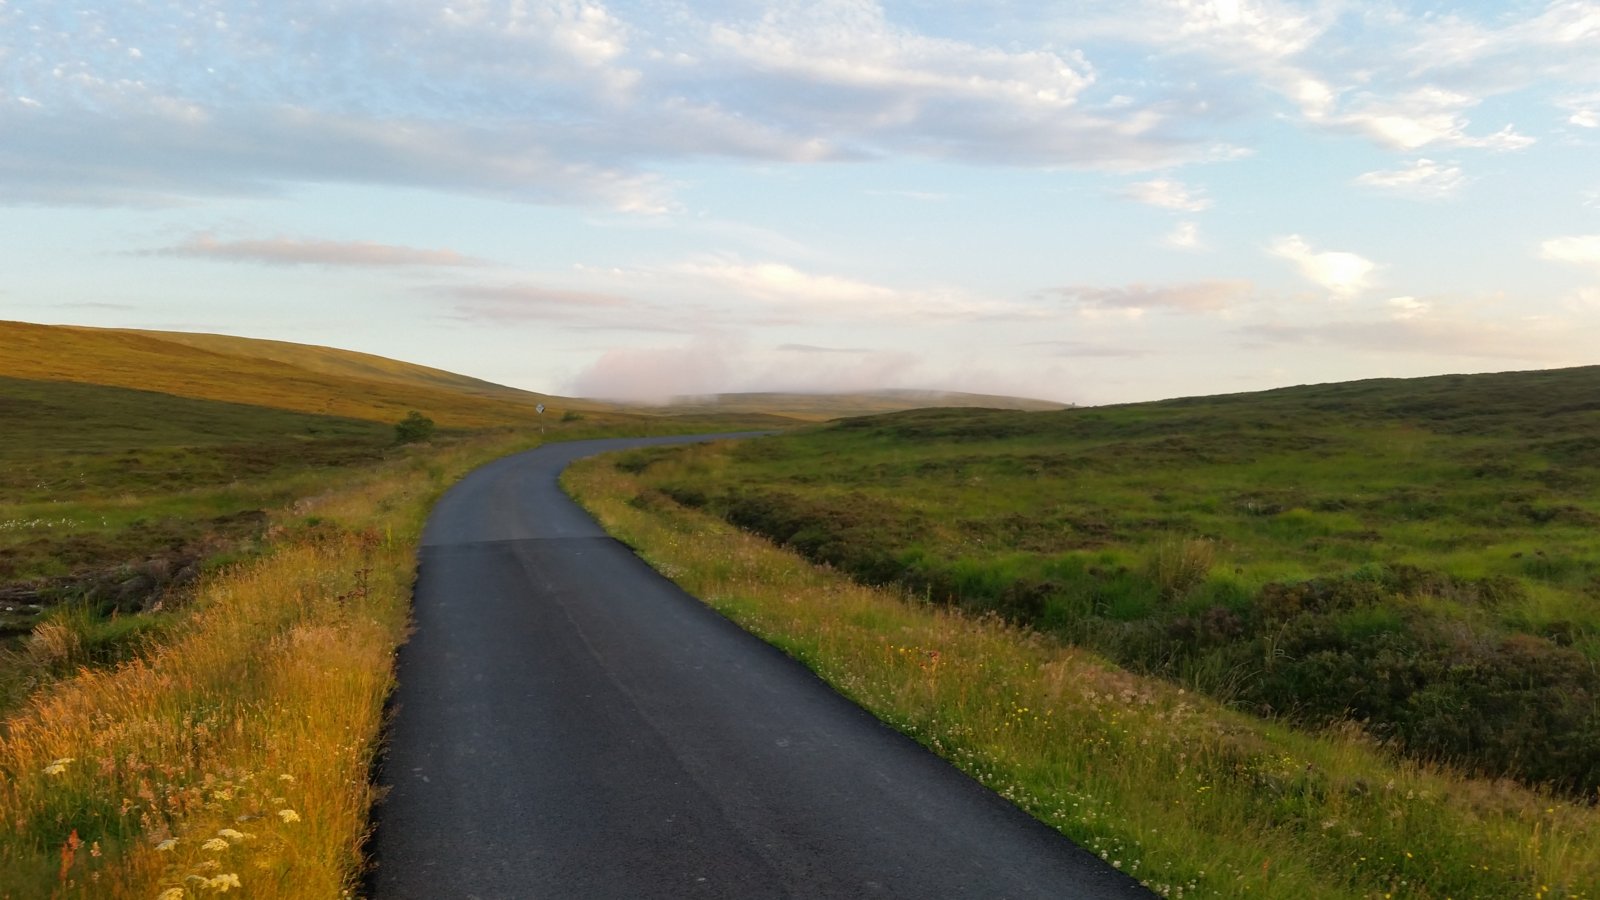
1091	202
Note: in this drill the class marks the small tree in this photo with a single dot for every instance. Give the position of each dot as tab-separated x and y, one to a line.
414	427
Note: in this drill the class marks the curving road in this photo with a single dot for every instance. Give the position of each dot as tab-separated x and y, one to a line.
571	724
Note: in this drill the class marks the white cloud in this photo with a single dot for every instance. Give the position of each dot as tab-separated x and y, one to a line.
785	291
1422	117
285	251
1184	236
1404	78
1167	194
151	158
1407	307
841	71
1136	299
1583	249
1343	274
1423	178
851	45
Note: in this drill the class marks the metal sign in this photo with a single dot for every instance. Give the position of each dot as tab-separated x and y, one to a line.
540	408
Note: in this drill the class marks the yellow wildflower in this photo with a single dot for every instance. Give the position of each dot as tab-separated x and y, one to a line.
59	766
288	815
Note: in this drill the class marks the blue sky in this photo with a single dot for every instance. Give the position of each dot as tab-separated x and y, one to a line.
1090	202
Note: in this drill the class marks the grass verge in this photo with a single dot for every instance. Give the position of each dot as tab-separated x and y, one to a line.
234	753
1191	798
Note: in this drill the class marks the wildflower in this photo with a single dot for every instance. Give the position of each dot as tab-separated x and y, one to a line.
215	844
286	777
224	882
176	893
288	815
230	834
166	845
59	766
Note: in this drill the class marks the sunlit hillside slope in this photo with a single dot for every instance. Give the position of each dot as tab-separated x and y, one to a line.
316	380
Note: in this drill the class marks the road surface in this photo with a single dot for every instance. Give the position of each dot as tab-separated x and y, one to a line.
569	724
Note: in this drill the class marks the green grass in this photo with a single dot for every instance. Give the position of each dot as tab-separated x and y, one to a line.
1416	556
1190	797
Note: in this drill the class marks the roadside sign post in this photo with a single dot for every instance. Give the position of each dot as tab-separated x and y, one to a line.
540	409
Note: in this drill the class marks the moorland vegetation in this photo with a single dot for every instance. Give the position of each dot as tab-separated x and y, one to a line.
1396	581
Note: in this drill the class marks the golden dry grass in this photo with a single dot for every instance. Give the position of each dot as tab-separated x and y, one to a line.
147	361
237	753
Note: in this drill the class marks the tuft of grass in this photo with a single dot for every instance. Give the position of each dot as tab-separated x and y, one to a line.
1179	565
1192	798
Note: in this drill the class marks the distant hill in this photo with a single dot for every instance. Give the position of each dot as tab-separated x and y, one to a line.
342	363
326	381
317	380
821	407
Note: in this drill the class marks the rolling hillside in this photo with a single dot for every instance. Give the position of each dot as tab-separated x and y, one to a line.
315	380
347	364
1414	554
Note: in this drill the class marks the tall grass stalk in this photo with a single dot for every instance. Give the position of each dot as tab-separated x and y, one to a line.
1192	799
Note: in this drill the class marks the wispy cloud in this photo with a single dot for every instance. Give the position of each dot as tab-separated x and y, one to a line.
1088	349
1532	342
1582	249
1184	236
283	251
1343	274
811	348
1425	116
1423	179
780	289
516	303
1408	307
1168	194
1583	109
1137	299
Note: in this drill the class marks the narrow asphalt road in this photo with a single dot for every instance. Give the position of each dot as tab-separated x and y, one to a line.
570	724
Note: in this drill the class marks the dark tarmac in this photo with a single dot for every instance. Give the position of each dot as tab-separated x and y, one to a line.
569	724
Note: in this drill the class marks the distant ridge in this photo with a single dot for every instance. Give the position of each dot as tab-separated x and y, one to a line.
823	406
